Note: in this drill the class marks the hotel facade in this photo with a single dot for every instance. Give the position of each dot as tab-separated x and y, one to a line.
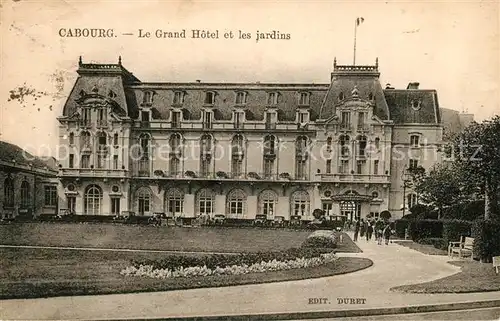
242	149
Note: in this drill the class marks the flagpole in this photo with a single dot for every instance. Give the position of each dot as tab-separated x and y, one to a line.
355	30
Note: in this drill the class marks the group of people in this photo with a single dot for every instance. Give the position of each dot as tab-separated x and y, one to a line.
382	230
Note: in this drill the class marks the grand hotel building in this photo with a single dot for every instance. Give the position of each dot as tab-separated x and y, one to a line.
242	149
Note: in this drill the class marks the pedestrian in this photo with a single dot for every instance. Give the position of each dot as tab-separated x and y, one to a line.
369	231
356	230
379	228
362	228
387	233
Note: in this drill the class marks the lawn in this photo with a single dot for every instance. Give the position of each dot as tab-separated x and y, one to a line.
30	273
473	277
119	236
422	248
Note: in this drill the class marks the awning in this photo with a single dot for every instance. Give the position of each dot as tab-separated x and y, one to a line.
351	197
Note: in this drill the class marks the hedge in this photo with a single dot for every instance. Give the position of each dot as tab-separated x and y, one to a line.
454	229
421	229
437	242
400	226
465	211
486	236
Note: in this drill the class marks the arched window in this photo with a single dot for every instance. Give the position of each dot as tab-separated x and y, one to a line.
235	203
143	201
237	152
25	194
412	200
344	145
329	144
361	145
268	200
93	200
85	140
8	191
206	200
174	200
300	203
341	96
269	155
101	140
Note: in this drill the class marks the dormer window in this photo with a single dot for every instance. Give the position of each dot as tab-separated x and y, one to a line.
176	119
207	119
209	98
303	117
370	96
415	104
178	98
112	94
414	140
241	98
341	96
148	97
304	99
272	98
238	119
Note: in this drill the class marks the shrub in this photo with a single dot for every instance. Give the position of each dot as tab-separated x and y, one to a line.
465	211
486	239
320	239
454	229
437	242
420	229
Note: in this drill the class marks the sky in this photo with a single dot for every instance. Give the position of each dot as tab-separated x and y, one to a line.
450	46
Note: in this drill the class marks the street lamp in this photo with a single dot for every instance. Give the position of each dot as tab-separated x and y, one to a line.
406	183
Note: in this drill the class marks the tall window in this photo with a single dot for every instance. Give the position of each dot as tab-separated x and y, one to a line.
71	138
237	154
241	98
269	119
268	201
303	117
101	138
71	200
344	145
300	203
71	160
9	192
101	116
86	116
304	99
25	194
414	140
269	145
411	200
375	167
328	166
345	120
361	120
272	98
85	161
206	201
235	203
377	143
144	141
85	140
362	146
301	157
413	163
175	154
344	166
174	200
143	201
115	139
115	206
238	119
206	155
93	200
329	144
207	119
100	161
209	98
360	166
269	155
176	119
145	116
178	98
115	161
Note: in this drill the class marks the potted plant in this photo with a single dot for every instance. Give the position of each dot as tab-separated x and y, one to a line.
253	175
221	174
285	176
190	174
158	173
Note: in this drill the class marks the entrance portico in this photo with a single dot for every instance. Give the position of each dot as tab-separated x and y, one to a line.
353	205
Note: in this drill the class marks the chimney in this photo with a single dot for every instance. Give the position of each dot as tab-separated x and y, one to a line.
413	85
198	81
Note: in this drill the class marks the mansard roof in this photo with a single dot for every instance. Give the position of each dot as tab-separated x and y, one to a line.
413	106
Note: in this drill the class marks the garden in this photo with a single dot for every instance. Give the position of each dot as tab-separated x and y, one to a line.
213	257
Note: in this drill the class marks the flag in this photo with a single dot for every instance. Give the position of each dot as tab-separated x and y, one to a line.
359	21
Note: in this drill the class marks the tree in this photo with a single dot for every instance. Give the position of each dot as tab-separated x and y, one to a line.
439	187
318	214
385	215
475	155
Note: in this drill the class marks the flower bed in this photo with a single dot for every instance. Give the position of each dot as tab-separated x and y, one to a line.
321	239
235	269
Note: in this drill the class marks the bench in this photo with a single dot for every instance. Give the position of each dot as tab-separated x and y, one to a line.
463	248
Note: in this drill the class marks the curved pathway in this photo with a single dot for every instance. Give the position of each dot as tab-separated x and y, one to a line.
393	265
